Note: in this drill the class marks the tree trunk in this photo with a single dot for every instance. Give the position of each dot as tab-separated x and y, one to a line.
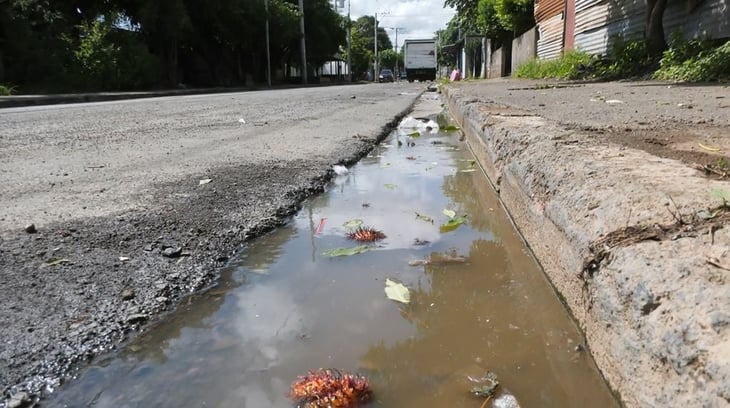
655	42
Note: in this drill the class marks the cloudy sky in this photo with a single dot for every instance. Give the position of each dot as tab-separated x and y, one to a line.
413	18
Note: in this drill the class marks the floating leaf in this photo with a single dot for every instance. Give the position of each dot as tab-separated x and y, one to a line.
424	218
449	213
452	224
204	181
54	262
354	223
414	134
396	291
346	251
450	128
391	186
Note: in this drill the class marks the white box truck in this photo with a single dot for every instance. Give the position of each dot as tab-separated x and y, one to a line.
420	60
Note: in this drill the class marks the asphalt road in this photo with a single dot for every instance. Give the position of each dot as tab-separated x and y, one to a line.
137	202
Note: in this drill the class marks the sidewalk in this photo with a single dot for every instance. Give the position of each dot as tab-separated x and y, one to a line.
618	189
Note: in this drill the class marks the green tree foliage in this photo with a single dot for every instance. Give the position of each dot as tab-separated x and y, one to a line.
124	44
388	59
363	44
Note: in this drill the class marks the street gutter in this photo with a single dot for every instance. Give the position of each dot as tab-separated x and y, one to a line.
653	308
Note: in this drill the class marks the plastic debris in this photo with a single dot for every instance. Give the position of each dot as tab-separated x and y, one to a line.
340	170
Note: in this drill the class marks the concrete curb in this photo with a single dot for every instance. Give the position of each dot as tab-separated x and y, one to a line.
17	101
654	314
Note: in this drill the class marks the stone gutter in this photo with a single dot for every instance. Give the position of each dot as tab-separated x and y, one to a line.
622	237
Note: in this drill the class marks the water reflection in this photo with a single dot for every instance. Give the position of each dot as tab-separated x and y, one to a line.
479	303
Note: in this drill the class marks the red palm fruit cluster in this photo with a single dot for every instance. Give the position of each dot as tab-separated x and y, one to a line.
330	388
365	234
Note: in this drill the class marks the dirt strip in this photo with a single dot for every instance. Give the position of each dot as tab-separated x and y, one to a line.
637	243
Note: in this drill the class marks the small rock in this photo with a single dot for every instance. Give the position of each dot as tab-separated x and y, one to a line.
136	318
19	400
161	299
30	229
128	294
172	252
148	247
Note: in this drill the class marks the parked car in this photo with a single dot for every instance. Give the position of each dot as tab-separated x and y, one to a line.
386	75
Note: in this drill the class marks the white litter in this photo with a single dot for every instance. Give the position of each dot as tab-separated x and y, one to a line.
242	120
340	170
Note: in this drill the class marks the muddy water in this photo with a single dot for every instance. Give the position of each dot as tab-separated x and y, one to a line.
282	308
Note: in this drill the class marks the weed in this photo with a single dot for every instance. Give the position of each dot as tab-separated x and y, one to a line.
572	65
695	61
6	90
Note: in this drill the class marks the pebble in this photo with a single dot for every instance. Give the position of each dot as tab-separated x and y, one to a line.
128	294
136	318
172	252
30	229
19	400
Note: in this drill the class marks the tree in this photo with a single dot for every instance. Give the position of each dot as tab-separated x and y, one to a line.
363	43
655	41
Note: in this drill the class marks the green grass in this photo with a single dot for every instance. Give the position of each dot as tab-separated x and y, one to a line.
572	65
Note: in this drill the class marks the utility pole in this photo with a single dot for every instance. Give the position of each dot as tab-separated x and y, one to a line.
268	52
396	48
375	63
349	43
304	43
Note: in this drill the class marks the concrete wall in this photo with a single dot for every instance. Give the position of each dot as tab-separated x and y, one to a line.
524	48
495	64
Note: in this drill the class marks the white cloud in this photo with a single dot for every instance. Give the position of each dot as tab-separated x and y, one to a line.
413	18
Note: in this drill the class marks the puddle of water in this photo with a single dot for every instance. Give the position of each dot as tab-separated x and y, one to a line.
283	308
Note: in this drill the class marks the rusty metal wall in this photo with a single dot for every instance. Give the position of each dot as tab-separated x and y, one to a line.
710	19
547	9
550	37
598	20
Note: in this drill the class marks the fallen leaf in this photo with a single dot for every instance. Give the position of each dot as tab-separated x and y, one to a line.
424	218
346	251
414	134
391	186
449	213
468	170
354	223
452	224
708	148
396	291
53	262
204	181
450	128
614	102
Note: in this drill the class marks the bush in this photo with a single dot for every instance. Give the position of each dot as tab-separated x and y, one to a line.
572	65
107	58
6	90
624	59
695	61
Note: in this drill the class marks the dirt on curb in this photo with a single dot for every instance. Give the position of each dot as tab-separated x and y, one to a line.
620	190
78	287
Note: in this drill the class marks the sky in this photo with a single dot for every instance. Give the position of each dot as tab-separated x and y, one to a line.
413	18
